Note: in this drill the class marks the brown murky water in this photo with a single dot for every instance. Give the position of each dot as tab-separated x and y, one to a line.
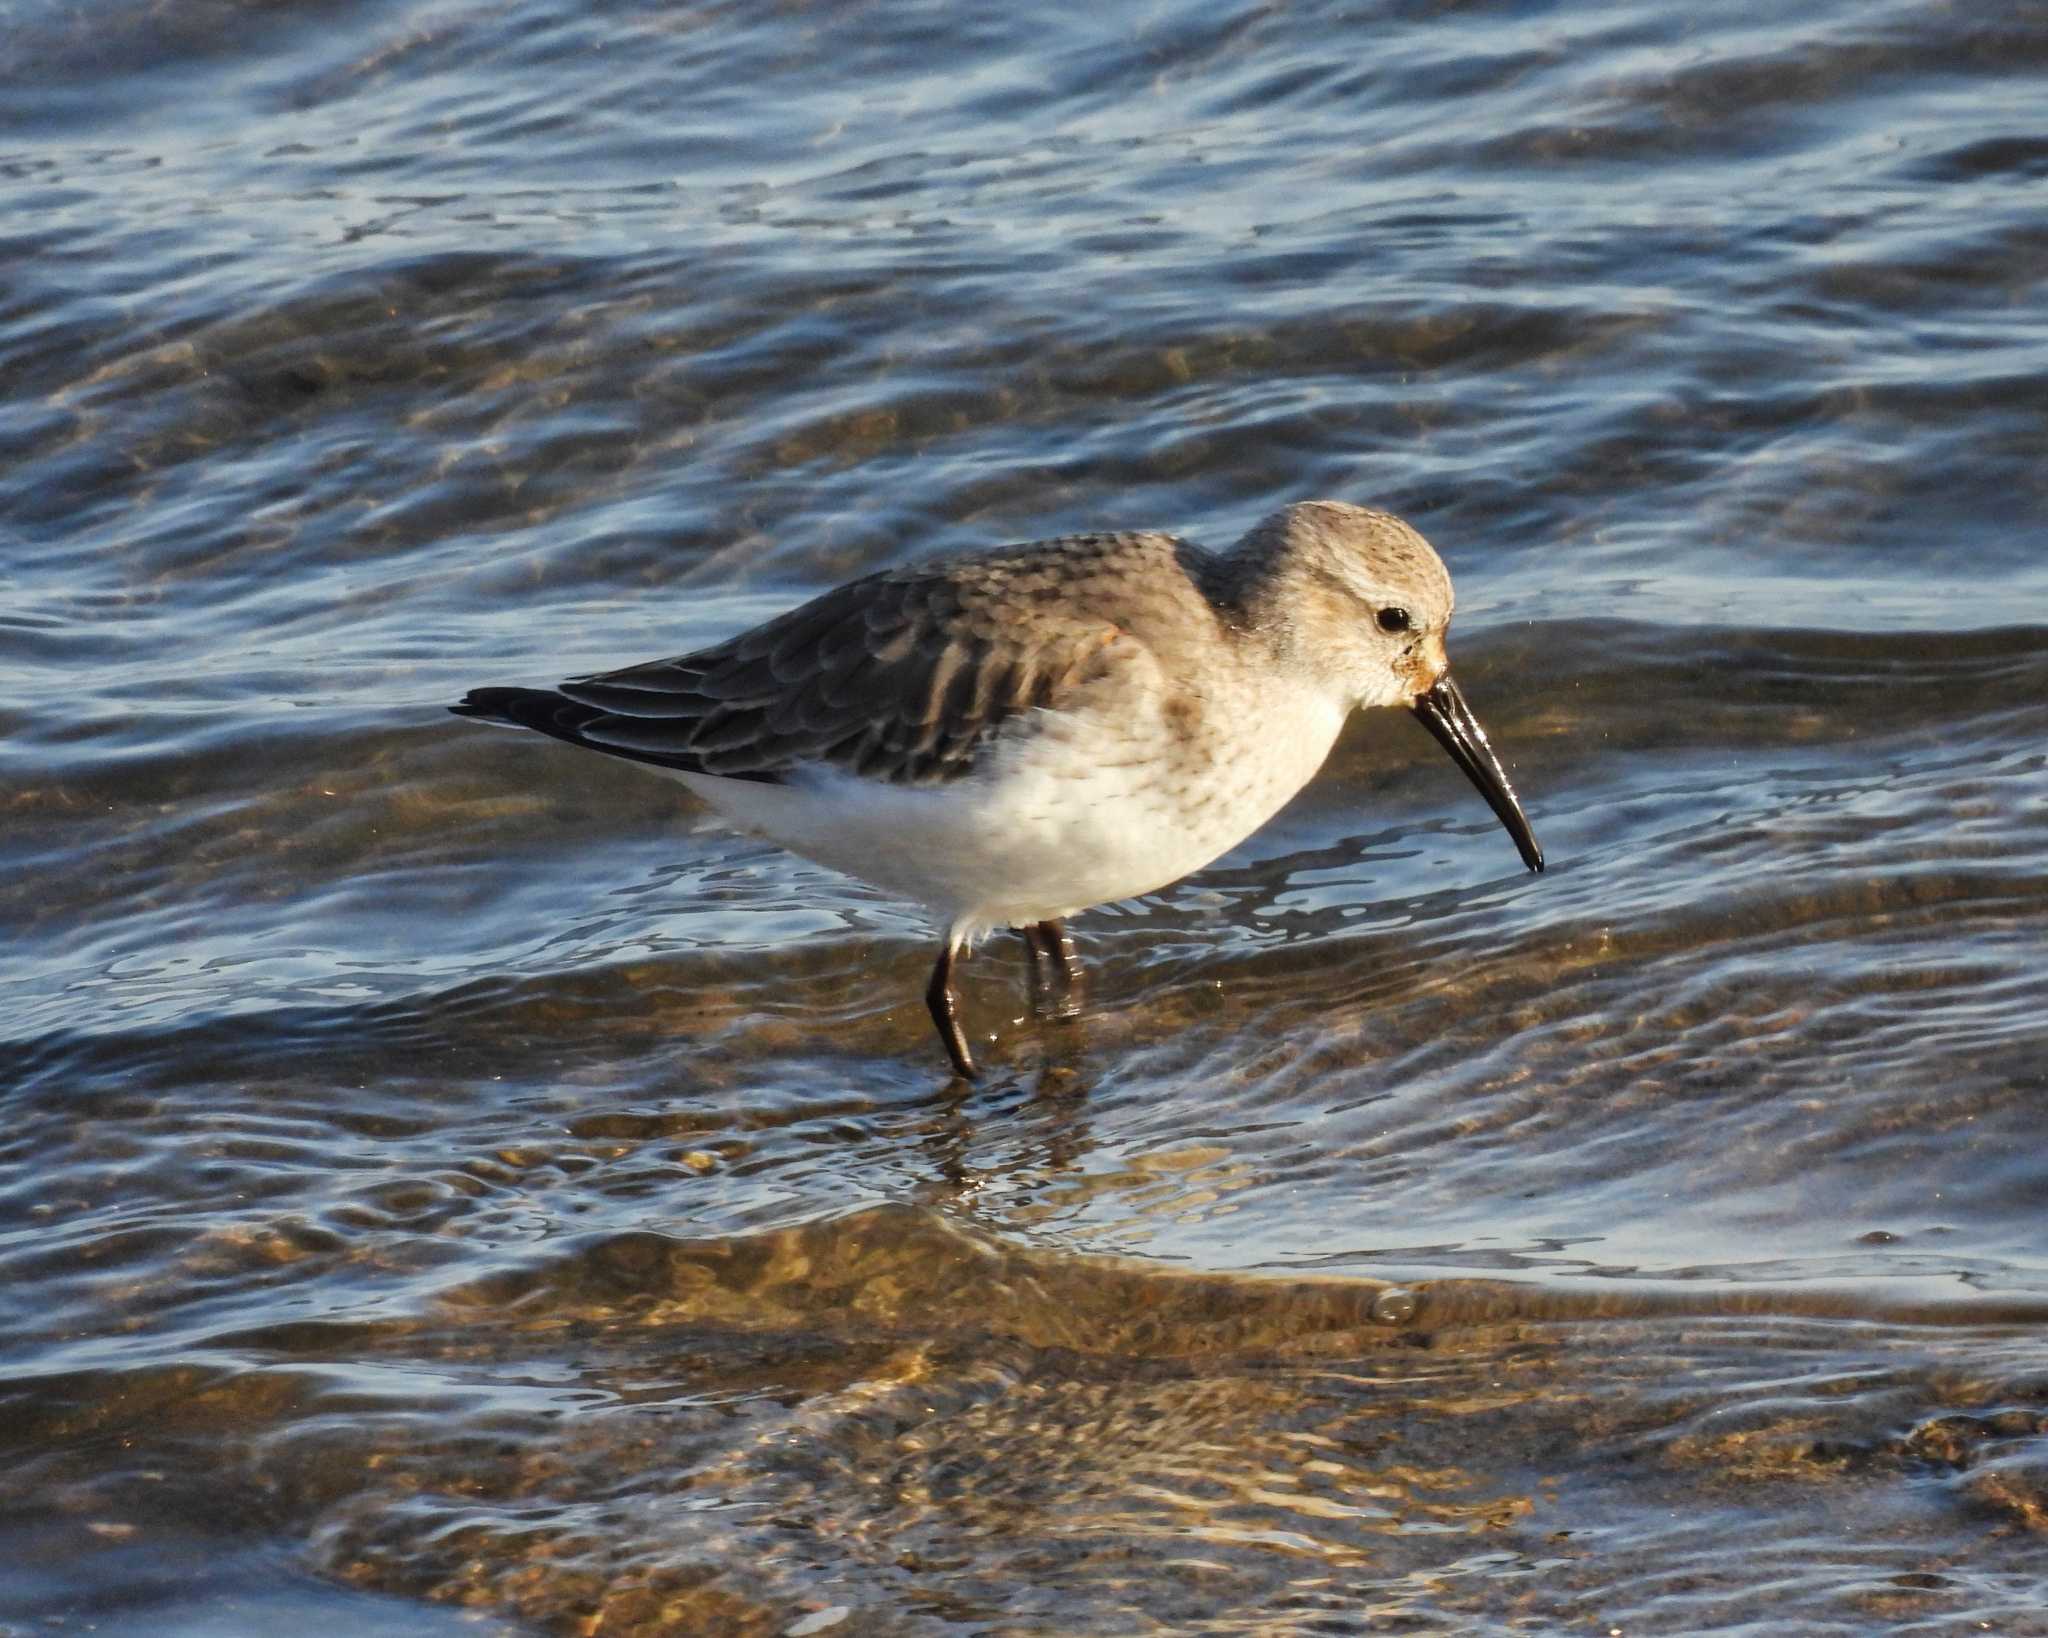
444	1187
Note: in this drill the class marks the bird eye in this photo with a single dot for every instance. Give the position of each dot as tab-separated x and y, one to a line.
1393	619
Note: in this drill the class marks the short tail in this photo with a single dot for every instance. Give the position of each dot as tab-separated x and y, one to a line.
559	717
541	709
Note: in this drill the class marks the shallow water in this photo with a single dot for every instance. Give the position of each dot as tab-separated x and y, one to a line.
445	1186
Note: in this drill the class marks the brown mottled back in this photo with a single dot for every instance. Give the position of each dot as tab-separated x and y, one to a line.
903	675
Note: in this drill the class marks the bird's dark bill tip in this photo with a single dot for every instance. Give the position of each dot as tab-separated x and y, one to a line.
1446	715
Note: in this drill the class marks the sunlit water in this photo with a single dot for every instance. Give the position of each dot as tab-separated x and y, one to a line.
446	1186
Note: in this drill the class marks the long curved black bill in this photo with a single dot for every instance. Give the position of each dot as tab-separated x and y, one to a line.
1445	714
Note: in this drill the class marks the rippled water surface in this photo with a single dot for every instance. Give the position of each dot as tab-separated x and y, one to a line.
448	1186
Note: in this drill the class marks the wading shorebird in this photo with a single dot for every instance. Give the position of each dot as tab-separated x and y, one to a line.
1008	737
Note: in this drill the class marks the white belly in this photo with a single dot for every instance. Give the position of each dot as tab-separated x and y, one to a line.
1081	811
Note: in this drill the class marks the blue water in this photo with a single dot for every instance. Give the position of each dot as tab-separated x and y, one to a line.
442	1173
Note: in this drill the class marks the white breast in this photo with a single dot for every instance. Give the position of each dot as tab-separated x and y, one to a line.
1075	809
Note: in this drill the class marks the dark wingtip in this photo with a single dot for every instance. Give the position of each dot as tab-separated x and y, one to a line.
559	717
502	704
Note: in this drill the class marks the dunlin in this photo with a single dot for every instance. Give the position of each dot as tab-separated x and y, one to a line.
1011	736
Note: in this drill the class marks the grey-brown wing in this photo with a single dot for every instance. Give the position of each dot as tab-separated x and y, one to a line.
903	676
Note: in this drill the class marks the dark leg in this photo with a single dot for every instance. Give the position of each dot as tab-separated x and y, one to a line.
1048	941
1059	944
945	1006
1034	956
